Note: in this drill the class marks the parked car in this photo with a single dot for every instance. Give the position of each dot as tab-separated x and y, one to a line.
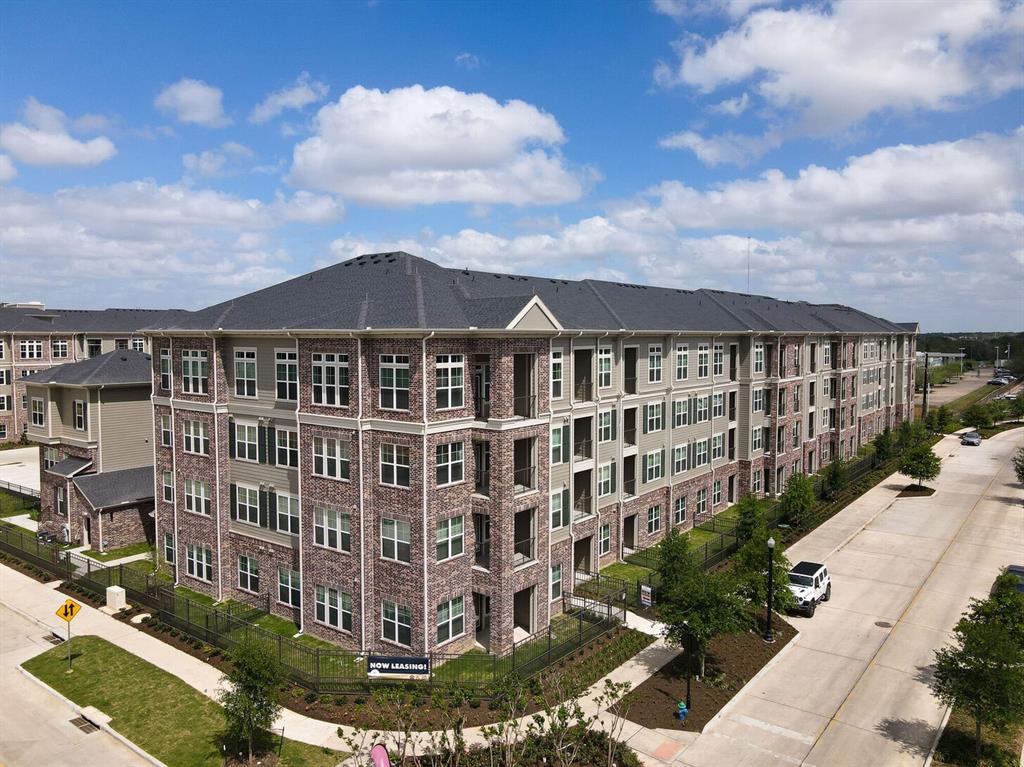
971	438
998	382
1018	571
810	584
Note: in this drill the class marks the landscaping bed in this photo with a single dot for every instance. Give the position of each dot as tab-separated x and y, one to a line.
36	573
956	746
731	662
916	491
587	665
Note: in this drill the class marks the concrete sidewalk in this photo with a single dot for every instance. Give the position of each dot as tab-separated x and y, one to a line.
20	466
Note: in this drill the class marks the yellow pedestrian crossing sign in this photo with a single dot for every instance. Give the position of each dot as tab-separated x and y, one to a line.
68	610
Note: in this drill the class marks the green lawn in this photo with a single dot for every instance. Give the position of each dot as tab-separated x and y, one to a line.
195	596
155	710
124	551
12	505
627	572
956	746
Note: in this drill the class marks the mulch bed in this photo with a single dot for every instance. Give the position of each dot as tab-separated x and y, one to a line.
731	662
33	572
916	491
81	595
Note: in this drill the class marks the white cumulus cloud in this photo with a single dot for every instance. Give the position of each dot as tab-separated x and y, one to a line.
43	139
193	101
7	169
303	92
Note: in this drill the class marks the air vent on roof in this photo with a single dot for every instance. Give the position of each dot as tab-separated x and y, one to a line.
392	260
347	263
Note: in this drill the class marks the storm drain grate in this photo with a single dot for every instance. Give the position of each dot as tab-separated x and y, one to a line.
53	639
84	724
883	624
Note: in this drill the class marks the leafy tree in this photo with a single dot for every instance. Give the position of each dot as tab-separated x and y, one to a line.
750	517
921	464
1018	464
249	700
677	561
910	435
931	421
750	567
983	672
797	502
944	418
979	416
885	446
1005	605
1017	407
835	478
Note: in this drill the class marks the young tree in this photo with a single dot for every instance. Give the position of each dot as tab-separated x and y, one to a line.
1018	464
797	501
1017	407
885	446
983	673
677	561
250	705
931	421
979	416
750	567
922	464
1005	605
835	477
944	418
750	517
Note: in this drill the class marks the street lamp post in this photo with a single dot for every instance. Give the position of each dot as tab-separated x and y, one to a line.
769	637
689	662
962	350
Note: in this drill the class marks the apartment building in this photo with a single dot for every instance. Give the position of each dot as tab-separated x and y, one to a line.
93	421
409	458
34	338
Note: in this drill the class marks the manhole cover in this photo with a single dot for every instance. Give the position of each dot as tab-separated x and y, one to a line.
883	624
84	724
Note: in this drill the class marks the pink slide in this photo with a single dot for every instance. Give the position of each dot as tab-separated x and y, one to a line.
379	756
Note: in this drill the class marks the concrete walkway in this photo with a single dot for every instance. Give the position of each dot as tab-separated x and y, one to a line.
20	466
853	688
25	522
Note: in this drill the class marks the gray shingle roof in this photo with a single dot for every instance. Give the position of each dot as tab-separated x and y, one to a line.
35	320
117	488
400	291
69	466
119	367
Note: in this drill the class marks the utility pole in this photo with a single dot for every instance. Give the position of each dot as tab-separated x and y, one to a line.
924	404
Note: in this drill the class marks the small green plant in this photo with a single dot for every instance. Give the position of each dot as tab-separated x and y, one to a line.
311	697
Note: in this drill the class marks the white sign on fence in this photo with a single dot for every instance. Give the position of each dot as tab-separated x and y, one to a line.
646	595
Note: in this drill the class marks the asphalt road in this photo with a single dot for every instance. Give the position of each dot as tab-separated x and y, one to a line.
852	690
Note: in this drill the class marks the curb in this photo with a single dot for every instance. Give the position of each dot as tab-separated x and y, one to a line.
938	736
103	725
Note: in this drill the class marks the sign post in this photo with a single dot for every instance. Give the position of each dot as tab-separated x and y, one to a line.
67	612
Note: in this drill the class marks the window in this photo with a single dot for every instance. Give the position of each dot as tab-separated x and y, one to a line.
700	453
559	509
59	350
718	405
287	514
702	501
702	360
811	399
560	444
796	434
556	581
680	413
395	540
450	619
826	387
330	458
449	382
197	497
5	402
394	465
165	368
655	421
246	442
653	520
716	492
199	562
796	399
605	479
169	548
780	440
556	374
679	459
287	447
703	408
60	501
120	343
756	480
654	468
334	607
719	359
332	529
5	377
94	347
682	362
139	344
756	438
38	414
247	504
758	358
245	372
81	423
605	426
169	486
31	350
287	374
248	574
827	355
450	463
717	447
51	456
330	379
679	510
397	623
289	587
654	363
604	539
394	381
450	537
195	371
3	426
782	399
604	367
757	401
796	358
782	360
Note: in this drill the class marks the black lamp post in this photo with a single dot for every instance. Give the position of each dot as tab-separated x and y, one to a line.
769	637
689	662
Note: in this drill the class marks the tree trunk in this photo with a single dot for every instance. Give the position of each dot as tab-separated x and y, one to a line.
977	738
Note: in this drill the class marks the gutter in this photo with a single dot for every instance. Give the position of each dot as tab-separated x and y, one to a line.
423	483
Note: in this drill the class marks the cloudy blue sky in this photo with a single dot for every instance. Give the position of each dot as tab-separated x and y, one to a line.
869	153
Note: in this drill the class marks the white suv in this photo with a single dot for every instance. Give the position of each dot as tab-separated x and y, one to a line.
810	584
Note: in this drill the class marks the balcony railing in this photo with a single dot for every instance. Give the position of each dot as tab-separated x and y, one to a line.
525	478
629	487
583	448
582	506
483	554
483	482
525	405
630	384
524	551
584	391
482	408
629	436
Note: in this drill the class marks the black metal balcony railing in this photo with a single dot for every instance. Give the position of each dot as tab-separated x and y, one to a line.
630	384
483	554
629	486
629	436
525	405
584	391
582	505
524	551
583	448
732	413
525	478
482	408
483	482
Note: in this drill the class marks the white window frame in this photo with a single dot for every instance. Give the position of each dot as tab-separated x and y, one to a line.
333	608
717	447
31	350
332	370
557	373
703	360
38	412
248	574
330	460
395	534
289	586
450	538
245	373
247	504
169	548
756	439
759	358
604	480
604	426
679	510
450	463
604	540
655	416
286	375
195	371
331	524
716	492
168	486
391	463
703	410
81	422
605	367
398	616
654	361
654	519
756	480
718	360
197	497
395	367
451	620
138	344
682	362
247	449
59	349
286	447
289	512
757	401
702	501
653	469
701	453
166	369
555	583
718	404
199	563
680	458
450	380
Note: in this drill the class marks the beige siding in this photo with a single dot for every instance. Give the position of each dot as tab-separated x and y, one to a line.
535	319
281	479
127	418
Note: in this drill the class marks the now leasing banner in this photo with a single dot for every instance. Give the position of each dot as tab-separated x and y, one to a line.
383	665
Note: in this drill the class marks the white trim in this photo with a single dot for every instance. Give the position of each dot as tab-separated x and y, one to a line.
535	301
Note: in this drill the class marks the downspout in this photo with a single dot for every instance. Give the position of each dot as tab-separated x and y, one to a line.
362	472
620	444
174	462
216	453
711	421
99	429
14	399
572	458
670	419
298	430
423	484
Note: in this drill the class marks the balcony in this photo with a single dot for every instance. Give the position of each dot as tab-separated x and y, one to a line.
629	369
583	391
482	465
582	506
525	479
524	549
524	393
582	443
483	554
525	406
629	427
481	408
582	372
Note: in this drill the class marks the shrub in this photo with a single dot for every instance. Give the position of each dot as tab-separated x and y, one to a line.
360	700
311	697
340	700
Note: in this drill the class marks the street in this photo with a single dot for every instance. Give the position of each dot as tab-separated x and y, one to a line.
852	689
